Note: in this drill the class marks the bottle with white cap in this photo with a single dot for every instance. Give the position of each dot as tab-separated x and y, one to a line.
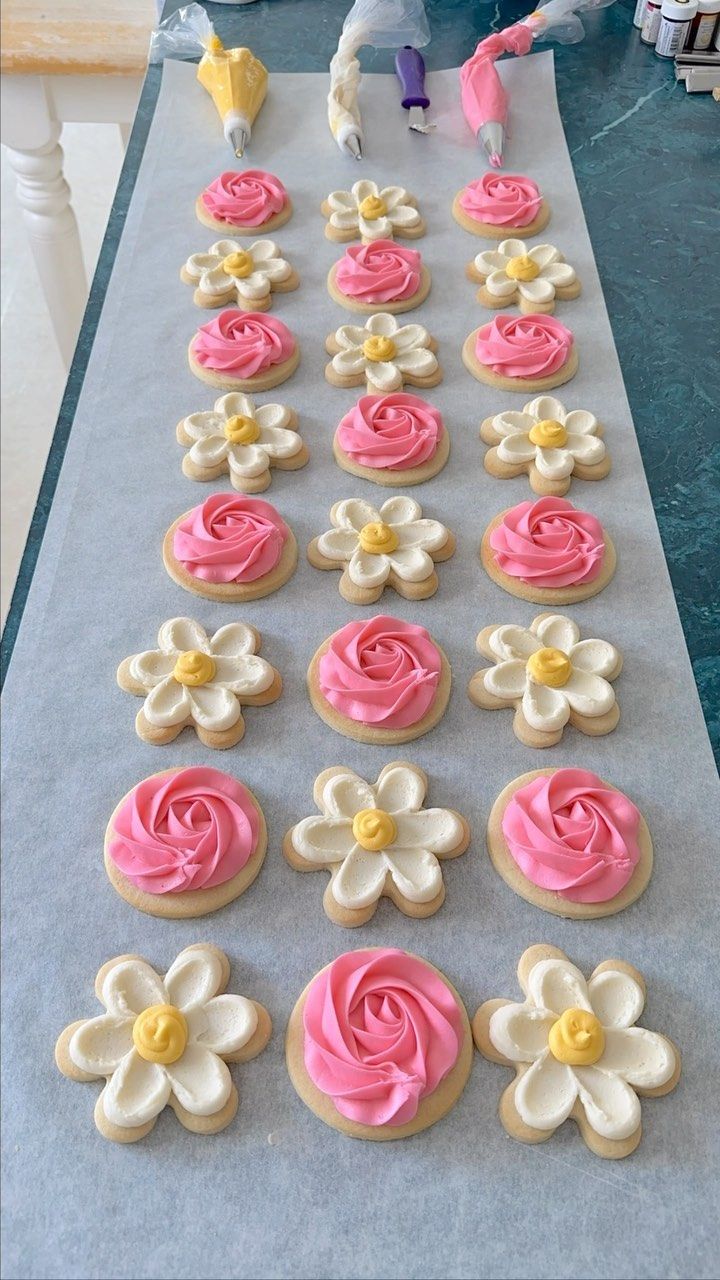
651	21
640	13
675	19
703	25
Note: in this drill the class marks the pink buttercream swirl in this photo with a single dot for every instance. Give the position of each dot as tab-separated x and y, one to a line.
570	833
383	672
379	272
246	199
533	346
382	1030
503	200
242	343
193	829
396	431
230	539
549	543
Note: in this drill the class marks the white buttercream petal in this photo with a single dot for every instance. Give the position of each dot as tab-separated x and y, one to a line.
507	680
167	704
559	274
490	260
517	447
597	657
641	1057
539	291
200	1081
131	986
363	188
383	376
586	449
199	425
546	1093
420	362
342	201
217	281
234	640
367	569
136	1092
520	1032
177	635
323	839
403	215
428	535
274	269
544	708
272	415
247	460
393	196
99	1045
375	228
199	264
246	675
253	287
400	510
512	423
409	336
338	544
500	285
354	513
439	830
611	1106
510	641
344	219
348	363
264	250
588	695
345	794
512	248
151	667
617	999
543	408
235	404
558	632
554	464
194	977
400	789
580	422
350	336
278	442
224	1024
384	325
415	872
543	255
360	880
223	248
215	707
209	451
556	984
411	564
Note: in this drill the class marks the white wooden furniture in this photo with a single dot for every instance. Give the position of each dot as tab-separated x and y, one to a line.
71	60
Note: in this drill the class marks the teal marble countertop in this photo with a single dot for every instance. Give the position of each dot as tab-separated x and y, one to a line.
646	157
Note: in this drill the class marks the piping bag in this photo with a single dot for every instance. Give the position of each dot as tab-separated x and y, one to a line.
236	80
484	99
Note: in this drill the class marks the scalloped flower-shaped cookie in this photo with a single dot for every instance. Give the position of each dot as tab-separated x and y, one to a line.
548	442
371	212
375	547
550	676
199	680
377	841
164	1041
576	1051
243	440
382	353
532	278
231	272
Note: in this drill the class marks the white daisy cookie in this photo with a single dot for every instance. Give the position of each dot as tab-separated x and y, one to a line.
164	1042
550	443
532	279
369	212
242	439
576	1052
201	681
392	545
377	841
383	354
231	272
550	676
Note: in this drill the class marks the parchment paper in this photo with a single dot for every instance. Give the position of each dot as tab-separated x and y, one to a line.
278	1193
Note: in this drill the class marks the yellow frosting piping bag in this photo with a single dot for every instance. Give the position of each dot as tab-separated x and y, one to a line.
237	82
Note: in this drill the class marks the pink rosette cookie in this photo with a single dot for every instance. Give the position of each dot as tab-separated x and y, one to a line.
501	204
244	201
521	353
548	551
379	1045
243	351
379	272
570	843
383	681
185	842
230	548
392	438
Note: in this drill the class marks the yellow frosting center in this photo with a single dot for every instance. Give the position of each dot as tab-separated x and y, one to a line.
374	829
160	1033
241	430
238	264
522	268
194	668
549	666
378	348
372	207
577	1038
378	538
549	434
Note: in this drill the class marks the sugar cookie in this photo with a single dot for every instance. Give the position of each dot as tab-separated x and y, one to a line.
164	1041
199	681
244	203
521	353
230	548
243	351
570	843
383	354
550	676
499	205
245	277
548	552
383	681
243	440
185	842
379	273
363	998
549	443
371	213
377	547
513	275
576	1052
392	440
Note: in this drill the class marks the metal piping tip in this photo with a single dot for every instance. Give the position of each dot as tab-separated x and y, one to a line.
353	146
491	136
238	142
